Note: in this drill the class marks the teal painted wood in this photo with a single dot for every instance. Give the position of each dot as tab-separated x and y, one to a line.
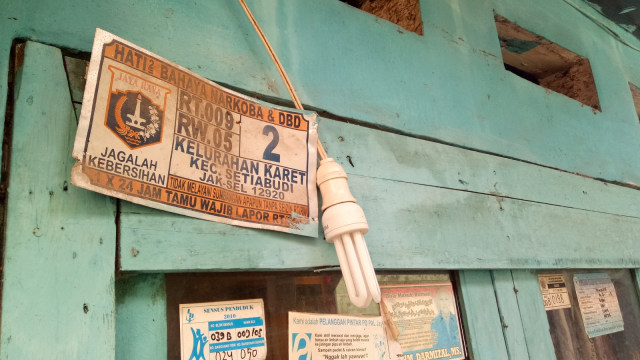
411	226
532	120
58	294
410	163
428	97
533	315
482	324
453	87
367	152
156	240
141	317
454	23
509	315
448	89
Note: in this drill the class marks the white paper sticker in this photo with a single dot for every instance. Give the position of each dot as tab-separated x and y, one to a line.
422	320
598	304
335	337
223	330
157	134
554	291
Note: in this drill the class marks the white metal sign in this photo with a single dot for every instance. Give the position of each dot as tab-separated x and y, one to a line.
598	304
225	330
554	291
156	134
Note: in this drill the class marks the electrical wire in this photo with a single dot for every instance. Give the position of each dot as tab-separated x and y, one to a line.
343	220
296	101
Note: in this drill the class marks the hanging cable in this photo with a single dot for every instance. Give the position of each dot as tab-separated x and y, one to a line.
343	220
296	101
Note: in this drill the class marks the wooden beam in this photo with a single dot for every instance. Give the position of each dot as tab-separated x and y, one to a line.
58	296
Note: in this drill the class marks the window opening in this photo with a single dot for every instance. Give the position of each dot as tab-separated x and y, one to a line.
284	291
635	92
404	13
546	63
569	333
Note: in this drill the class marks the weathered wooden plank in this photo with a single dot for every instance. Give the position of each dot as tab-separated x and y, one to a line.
156	240
58	295
509	314
482	321
367	152
533	315
460	93
141	317
502	115
475	102
411	226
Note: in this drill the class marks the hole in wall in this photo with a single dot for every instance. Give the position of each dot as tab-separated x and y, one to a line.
546	63
404	13
635	92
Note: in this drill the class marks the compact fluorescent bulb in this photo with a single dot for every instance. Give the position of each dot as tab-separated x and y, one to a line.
344	225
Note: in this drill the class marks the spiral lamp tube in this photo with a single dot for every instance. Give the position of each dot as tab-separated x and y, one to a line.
344	225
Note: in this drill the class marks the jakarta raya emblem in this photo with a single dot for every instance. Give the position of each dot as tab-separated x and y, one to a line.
134	113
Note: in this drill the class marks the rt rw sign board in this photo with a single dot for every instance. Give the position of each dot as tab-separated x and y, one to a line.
156	134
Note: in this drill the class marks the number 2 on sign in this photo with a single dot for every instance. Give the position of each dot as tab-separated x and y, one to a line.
268	151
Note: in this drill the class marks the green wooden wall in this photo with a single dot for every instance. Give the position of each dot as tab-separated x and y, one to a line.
457	163
58	290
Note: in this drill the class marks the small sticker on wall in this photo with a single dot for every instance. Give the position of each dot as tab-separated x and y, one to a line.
598	304
223	330
554	291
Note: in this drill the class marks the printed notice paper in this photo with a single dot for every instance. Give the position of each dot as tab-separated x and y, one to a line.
154	133
223	330
554	291
598	304
335	337
422	319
